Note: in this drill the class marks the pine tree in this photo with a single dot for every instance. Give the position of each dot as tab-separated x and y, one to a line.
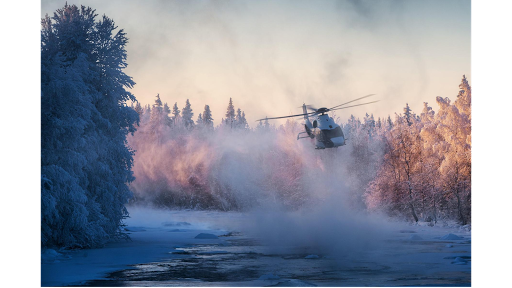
207	117
199	121
240	120
369	124
259	127
167	112
157	111
138	109
407	114
175	114
187	115
159	119
463	102
389	123
230	114
243	121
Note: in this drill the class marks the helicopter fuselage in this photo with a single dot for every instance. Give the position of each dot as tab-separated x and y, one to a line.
324	130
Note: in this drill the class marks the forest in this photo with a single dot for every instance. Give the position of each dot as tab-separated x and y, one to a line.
415	166
102	150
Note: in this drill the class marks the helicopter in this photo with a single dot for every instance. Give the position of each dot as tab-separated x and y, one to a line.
323	129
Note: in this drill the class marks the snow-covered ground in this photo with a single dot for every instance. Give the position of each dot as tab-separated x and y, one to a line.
200	248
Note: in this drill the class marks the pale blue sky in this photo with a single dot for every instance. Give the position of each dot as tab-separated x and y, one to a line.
271	56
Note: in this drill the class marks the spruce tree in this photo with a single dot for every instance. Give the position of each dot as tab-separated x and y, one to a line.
175	114
230	114
85	163
187	115
207	117
199	120
407	114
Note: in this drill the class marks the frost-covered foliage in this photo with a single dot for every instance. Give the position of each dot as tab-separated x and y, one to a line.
426	170
415	166
85	162
224	167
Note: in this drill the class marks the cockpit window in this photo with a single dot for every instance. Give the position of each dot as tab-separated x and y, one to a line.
336	132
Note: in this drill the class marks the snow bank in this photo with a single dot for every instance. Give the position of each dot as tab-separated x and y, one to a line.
50	256
206	236
451	237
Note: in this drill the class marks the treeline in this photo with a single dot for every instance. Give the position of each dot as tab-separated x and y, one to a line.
160	116
417	167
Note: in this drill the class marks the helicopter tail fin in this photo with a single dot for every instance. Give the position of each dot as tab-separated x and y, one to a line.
306	118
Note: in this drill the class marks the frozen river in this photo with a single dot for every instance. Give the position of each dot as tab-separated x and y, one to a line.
168	249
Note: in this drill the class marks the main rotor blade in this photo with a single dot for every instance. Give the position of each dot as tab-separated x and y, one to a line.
286	116
352	101
354	105
310	107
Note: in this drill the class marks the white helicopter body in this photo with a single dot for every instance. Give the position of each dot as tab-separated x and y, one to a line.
323	129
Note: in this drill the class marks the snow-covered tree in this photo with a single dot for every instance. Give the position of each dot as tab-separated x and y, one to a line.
159	122
427	165
207	117
389	123
187	115
175	114
167	112
394	187
199	121
407	114
463	101
157	112
230	114
240	121
85	163
369	124
138	109
427	115
455	129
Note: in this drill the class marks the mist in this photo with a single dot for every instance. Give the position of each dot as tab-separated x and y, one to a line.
291	195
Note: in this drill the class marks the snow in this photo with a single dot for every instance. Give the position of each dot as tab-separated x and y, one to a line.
206	236
50	256
275	265
451	237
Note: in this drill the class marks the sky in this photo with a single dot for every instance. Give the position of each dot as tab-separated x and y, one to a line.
272	56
